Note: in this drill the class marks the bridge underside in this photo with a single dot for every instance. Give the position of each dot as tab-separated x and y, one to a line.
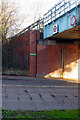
71	34
68	36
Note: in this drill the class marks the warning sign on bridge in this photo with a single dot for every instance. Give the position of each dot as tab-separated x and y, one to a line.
55	28
73	20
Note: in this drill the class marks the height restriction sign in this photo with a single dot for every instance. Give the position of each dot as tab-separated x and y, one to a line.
73	20
55	28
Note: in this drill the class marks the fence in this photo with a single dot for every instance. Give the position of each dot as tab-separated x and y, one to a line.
59	9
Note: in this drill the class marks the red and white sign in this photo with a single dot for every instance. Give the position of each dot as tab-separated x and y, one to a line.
55	28
73	20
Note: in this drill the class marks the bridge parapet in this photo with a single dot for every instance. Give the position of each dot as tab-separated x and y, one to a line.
63	16
59	9
58	15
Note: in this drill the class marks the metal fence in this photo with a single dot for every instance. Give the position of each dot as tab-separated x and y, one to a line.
56	11
36	25
59	9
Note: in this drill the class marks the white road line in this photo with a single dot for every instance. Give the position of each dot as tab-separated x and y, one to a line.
38	86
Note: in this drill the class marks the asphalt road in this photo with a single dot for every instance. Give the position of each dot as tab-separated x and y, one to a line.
21	80
26	93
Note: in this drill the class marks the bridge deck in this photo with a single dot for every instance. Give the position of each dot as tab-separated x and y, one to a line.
66	25
71	34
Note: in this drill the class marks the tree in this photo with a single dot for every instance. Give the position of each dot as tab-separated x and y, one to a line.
36	8
11	20
10	24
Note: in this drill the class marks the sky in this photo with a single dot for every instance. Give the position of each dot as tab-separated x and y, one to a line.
33	9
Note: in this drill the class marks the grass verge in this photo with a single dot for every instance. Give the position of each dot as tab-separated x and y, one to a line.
41	115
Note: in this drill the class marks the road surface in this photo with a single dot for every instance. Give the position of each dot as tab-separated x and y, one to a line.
26	93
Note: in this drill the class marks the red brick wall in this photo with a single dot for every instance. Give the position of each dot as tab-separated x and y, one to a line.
49	58
53	57
42	59
23	46
70	54
34	36
20	46
71	62
32	65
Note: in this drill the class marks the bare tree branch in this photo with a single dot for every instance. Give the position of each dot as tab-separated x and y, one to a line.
11	20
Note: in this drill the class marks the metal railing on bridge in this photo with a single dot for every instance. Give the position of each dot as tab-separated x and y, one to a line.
36	25
59	9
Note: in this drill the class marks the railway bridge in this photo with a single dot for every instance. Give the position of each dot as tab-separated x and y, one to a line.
51	46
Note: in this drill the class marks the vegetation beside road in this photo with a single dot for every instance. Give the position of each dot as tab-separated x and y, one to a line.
41	115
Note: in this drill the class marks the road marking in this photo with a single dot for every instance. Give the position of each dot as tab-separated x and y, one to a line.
39	86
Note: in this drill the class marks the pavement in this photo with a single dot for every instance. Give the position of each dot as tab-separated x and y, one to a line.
33	93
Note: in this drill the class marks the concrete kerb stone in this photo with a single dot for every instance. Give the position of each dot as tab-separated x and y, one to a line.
7	77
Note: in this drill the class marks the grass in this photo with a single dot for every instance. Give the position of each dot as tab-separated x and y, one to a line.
41	115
